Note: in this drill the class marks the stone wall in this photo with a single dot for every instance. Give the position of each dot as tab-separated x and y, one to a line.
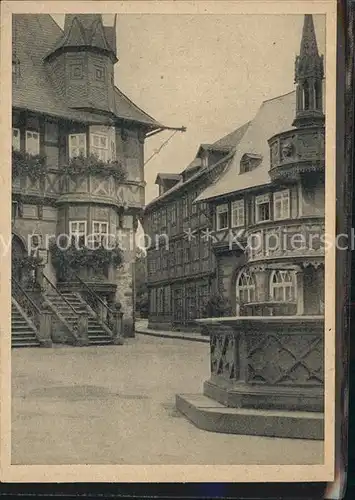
228	265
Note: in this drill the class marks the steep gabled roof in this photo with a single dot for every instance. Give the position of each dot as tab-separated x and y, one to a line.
236	134
274	116
231	140
85	30
34	36
127	110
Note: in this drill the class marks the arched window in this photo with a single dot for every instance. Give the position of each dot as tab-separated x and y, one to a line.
282	286
245	287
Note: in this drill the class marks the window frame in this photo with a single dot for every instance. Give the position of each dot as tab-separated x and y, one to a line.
233	207
19	139
282	285
278	198
28	132
222	209
72	233
101	79
99	235
249	287
76	71
47	138
258	203
81	135
94	149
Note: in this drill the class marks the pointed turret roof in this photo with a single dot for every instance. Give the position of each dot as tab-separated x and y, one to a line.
34	35
309	63
87	30
309	73
309	41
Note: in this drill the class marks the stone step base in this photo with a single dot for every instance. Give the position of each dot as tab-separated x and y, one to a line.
210	415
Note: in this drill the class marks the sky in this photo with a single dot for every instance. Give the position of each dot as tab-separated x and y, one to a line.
209	73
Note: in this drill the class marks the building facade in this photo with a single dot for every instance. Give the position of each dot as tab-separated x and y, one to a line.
261	243
180	260
77	166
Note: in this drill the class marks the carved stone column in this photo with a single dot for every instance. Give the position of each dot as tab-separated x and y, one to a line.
299	285
262	285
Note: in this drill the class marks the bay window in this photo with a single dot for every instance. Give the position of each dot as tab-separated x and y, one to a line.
102	144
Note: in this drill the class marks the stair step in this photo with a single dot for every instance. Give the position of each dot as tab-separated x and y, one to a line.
92	342
25	344
25	338
65	305
25	326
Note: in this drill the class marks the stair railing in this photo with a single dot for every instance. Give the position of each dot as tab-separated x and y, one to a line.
26	302
112	319
81	317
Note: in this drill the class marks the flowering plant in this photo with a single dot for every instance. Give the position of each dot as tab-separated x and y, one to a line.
81	165
26	164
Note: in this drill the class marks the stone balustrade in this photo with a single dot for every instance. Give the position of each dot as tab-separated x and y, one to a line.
294	238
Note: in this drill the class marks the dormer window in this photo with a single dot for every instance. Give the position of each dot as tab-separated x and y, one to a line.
249	161
99	73
262	208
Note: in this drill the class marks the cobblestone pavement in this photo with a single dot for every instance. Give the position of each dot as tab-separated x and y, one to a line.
115	405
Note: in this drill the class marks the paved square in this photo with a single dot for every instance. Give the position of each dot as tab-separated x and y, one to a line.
116	405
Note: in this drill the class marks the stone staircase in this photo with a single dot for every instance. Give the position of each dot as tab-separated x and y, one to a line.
23	334
69	305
